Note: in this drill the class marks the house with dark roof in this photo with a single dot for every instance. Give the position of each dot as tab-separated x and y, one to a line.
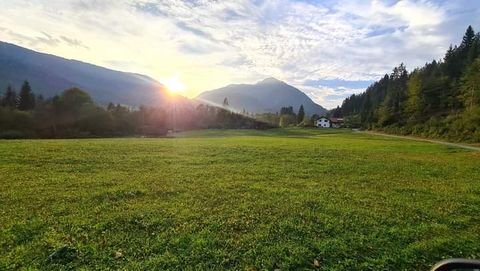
336	122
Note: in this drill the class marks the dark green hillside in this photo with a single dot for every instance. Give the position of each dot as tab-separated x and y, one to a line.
440	99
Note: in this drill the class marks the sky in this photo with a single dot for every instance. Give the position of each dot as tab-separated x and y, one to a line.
328	49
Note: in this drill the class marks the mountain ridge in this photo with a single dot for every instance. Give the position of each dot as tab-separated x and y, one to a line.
260	97
50	74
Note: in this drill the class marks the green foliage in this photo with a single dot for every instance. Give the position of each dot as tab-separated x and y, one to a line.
287	111
74	114
271	118
307	122
12	134
300	115
15	123
9	99
237	200
471	86
391	109
414	106
468	40
26	99
287	117
287	120
353	121
96	121
124	122
431	101
73	100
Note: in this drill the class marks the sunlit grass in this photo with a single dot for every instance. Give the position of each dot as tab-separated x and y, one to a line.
237	200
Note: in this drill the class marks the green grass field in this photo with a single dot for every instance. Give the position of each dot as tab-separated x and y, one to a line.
243	200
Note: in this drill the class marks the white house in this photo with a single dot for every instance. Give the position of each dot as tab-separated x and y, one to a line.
322	123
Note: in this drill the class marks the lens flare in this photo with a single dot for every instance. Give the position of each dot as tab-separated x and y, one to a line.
175	85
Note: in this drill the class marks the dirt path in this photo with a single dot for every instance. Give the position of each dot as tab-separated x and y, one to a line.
463	146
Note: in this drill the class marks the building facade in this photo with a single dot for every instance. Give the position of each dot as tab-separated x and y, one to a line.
323	123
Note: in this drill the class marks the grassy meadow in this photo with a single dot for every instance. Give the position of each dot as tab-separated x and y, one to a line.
293	199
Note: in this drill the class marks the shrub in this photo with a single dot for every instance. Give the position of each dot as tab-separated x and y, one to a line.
12	134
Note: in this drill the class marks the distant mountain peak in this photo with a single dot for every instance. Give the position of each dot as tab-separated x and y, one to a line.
268	95
270	80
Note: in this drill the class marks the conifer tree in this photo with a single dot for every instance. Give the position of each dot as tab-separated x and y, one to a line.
301	114
26	99
414	104
10	98
468	39
471	86
225	102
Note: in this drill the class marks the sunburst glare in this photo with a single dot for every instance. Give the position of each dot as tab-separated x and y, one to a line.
175	85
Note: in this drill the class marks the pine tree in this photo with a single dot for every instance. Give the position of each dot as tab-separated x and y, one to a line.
471	86
393	105
287	111
414	105
474	51
10	98
300	115
453	63
468	39
465	49
26	99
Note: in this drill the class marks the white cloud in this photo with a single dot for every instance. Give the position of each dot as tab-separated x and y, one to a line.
209	43
329	97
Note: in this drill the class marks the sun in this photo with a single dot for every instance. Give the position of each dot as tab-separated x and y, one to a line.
175	85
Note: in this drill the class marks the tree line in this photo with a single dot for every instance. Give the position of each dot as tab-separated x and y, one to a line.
73	113
440	99
288	118
285	118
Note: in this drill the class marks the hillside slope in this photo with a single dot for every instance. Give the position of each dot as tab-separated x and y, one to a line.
269	95
49	75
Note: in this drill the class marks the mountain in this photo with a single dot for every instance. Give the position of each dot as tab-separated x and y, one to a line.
49	75
269	95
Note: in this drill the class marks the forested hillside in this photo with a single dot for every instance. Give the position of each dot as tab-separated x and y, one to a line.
440	99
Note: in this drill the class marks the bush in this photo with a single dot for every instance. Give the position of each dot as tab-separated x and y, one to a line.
12	119
12	134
